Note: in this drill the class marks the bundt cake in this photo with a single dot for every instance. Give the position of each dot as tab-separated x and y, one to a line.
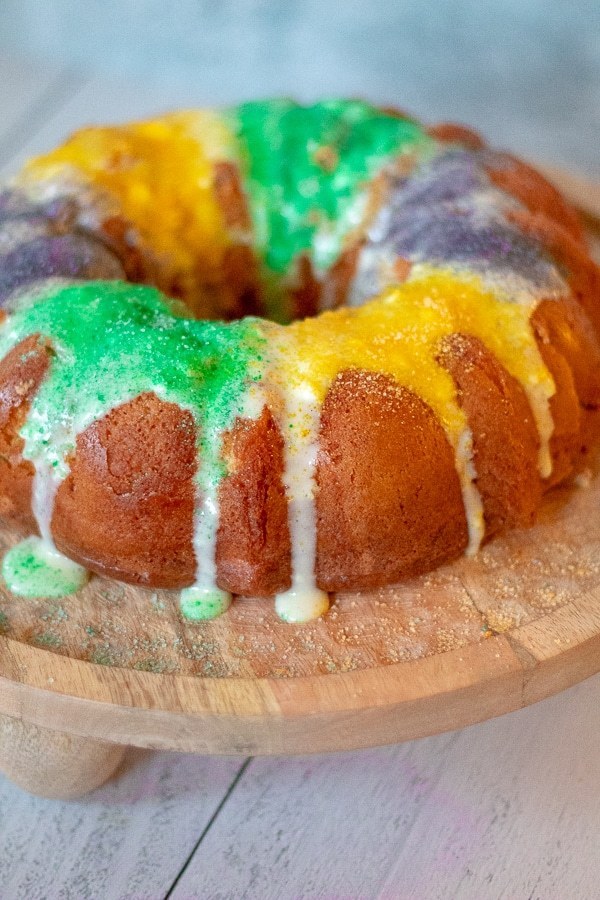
281	351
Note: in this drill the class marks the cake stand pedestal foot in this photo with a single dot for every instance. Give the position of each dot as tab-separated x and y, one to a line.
54	764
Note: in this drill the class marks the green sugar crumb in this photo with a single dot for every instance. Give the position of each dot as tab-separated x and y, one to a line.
103	656
157	666
48	639
4	623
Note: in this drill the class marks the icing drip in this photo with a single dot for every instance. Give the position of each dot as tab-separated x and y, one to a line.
205	600
200	603
463	455
304	600
34	568
539	401
45	486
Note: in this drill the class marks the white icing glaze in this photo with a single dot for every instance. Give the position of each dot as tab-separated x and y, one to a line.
57	574
198	602
206	516
300	429
206	523
46	482
465	467
43	494
539	401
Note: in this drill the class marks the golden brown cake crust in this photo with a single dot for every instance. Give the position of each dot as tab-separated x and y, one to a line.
126	507
580	270
451	133
505	439
566	326
21	373
253	541
389	502
535	192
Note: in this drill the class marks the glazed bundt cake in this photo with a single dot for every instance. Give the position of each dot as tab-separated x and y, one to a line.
281	351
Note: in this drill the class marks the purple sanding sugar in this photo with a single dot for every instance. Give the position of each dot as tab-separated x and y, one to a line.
15	206
437	216
450	176
441	234
74	255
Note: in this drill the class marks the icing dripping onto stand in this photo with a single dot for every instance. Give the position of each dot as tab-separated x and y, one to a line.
204	599
201	603
304	600
34	568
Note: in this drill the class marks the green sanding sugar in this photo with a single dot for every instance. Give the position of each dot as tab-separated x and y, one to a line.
306	167
112	341
34	569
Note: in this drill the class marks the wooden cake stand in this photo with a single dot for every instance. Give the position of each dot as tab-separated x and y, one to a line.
83	678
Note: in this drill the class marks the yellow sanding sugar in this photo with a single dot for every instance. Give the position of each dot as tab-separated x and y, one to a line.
160	174
400	333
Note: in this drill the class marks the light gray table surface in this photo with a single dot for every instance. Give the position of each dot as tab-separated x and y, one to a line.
506	809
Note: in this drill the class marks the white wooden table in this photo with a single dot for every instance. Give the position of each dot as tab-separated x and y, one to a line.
506	809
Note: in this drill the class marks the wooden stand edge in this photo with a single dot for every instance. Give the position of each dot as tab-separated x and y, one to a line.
40	692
